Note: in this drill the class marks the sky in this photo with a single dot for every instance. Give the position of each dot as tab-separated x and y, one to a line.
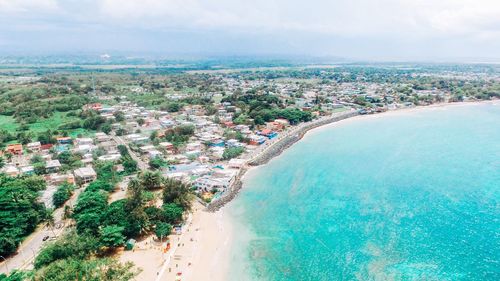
362	29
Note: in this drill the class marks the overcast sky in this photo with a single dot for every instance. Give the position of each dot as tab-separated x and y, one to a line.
368	29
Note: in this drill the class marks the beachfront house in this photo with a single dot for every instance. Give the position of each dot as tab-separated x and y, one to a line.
257	140
236	163
268	133
209	184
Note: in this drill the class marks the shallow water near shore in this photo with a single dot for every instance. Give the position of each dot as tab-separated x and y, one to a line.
405	196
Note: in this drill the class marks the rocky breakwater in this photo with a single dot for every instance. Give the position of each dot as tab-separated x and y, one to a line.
293	136
274	149
229	194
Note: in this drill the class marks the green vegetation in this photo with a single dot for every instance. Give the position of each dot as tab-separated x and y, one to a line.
15	276
176	192
163	229
112	236
129	164
69	160
92	269
20	211
264	108
71	245
101	227
151	180
8	123
157	163
179	135
52	105
232	152
62	194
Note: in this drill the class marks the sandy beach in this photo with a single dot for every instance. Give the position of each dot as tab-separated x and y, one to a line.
201	252
203	249
400	111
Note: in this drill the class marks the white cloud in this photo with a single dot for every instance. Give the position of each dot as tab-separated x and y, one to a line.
341	17
346	17
23	6
371	21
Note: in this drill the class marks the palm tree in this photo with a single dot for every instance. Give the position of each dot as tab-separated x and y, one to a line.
49	219
177	192
151	180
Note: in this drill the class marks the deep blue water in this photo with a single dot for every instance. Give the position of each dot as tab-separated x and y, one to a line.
401	196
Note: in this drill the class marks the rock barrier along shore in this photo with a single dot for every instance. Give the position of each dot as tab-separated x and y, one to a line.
272	151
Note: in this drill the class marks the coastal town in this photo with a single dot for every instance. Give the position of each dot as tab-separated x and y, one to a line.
283	140
199	130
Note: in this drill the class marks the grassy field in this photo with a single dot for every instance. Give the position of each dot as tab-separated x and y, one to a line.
8	123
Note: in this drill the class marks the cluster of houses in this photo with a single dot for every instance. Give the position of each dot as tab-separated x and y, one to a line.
331	96
200	160
20	158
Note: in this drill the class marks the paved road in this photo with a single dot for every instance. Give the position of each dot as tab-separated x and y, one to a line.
140	164
34	242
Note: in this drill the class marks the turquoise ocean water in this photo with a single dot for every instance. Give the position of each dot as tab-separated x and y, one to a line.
401	196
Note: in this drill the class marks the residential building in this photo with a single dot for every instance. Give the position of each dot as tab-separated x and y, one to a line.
52	166
10	170
236	163
84	175
83	141
15	149
34	146
63	140
102	137
268	133
209	184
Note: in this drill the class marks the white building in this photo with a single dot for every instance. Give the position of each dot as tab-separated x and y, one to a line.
208	184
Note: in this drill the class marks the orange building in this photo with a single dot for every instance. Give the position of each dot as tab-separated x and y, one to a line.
93	106
16	149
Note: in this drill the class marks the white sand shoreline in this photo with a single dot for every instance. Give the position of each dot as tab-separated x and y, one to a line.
204	249
401	112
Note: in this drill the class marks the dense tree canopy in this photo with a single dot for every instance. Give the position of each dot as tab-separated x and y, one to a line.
92	269
62	194
20	210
